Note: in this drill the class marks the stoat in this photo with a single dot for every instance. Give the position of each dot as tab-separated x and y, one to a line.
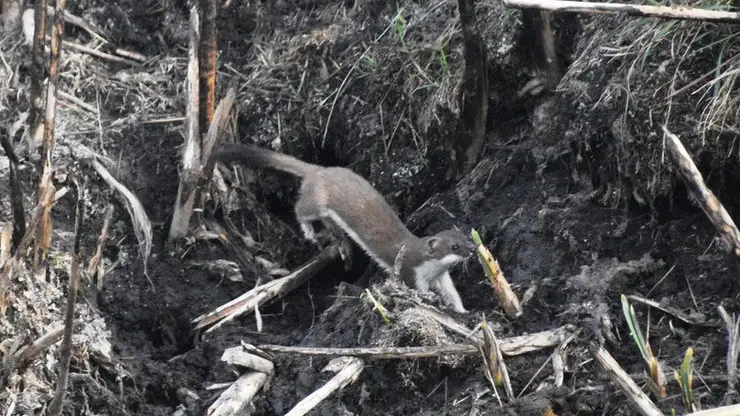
340	198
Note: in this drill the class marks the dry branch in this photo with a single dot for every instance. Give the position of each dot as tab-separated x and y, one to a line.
191	158
207	57
27	353
350	370
38	74
267	292
236	399
510	346
635	395
471	128
55	408
670	12
377	353
707	200
99	54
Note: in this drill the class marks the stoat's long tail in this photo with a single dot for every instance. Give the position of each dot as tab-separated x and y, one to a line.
254	156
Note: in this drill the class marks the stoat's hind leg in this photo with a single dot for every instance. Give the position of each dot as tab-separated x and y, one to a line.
345	247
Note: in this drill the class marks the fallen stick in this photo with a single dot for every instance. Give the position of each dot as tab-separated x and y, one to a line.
376	353
350	370
669	310
635	395
708	202
98	54
510	346
27	353
678	12
267	292
235	400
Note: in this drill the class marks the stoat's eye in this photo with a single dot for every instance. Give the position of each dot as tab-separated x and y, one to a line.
455	247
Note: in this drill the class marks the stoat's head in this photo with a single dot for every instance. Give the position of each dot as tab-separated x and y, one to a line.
449	247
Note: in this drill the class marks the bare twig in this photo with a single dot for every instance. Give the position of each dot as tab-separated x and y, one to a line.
102	55
670	12
509	346
191	158
267	292
350	370
640	401
377	353
55	408
690	320
708	202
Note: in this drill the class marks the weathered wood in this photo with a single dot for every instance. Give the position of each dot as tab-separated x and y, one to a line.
189	177
670	12
207	53
708	202
640	401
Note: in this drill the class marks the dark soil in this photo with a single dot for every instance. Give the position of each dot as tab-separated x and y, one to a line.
571	196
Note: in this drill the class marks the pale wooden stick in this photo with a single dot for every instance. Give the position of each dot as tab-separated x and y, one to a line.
352	367
677	12
377	353
708	202
236	399
191	162
27	353
636	396
510	346
266	292
94	52
733	339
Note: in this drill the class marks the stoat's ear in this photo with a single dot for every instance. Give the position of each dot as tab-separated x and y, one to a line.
433	243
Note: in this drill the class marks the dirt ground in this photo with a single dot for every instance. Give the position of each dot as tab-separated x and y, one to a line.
573	196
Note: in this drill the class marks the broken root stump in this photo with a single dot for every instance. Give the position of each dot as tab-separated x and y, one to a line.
268	292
